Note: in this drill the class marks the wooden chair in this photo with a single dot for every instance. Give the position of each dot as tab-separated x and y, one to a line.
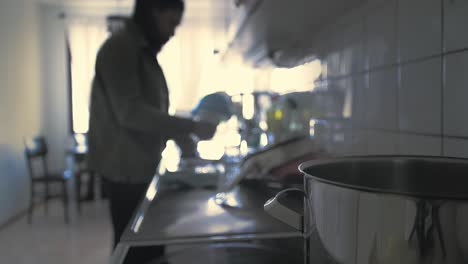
36	157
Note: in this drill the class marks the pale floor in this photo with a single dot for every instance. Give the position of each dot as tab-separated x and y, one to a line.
85	240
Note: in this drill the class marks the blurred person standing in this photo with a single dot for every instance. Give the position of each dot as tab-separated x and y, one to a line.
129	120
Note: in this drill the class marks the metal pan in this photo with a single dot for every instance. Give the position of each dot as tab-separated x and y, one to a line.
382	209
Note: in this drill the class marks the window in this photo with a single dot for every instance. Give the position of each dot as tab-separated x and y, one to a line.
85	37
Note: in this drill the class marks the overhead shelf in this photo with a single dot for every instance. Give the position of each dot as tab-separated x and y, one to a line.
279	32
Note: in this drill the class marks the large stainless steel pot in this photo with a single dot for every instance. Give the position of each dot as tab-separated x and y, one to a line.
382	210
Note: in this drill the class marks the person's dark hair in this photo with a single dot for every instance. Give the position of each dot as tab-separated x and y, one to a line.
142	16
142	6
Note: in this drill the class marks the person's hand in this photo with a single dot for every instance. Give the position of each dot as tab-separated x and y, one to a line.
204	130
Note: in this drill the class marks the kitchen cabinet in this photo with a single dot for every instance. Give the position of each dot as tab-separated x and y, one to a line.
277	32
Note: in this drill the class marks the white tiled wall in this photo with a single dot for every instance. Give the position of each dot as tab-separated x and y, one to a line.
381	98
359	143
419	145
404	67
456	147
352	54
360	84
419	96
419	28
456	94
382	143
455	21
381	42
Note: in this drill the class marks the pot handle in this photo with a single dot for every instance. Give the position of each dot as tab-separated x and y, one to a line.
276	208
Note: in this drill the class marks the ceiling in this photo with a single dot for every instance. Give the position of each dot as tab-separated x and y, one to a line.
194	8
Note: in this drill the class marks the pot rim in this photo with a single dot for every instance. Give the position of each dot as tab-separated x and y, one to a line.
416	195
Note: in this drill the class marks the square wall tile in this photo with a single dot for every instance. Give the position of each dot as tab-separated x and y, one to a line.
381	36
419	29
382	143
360	84
346	86
419	145
358	143
381	98
419	97
341	142
455	95
332	61
331	49
332	134
456	147
352	55
349	59
455	23
324	73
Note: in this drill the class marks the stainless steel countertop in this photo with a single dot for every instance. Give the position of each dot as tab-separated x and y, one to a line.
192	215
171	216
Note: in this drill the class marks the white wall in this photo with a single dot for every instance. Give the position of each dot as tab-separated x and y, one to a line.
54	92
33	95
20	101
404	65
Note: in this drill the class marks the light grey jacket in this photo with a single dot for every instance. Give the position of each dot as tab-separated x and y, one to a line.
129	123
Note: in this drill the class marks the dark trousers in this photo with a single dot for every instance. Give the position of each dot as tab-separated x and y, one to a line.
124	200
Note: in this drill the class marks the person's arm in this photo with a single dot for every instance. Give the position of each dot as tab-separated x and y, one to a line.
117	66
187	146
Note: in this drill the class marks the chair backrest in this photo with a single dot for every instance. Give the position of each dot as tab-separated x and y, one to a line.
35	150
